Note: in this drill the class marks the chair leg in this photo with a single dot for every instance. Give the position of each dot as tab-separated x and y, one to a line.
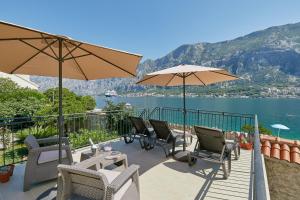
128	138
237	152
142	141
191	160
26	183
150	144
225	170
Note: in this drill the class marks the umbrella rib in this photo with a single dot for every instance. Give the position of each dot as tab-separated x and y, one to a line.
105	60
77	64
39	49
171	79
199	79
146	79
31	57
224	74
50	47
72	50
72	57
33	38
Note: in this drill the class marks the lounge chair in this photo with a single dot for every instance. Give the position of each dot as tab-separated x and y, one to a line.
86	180
211	146
232	138
165	137
146	135
42	162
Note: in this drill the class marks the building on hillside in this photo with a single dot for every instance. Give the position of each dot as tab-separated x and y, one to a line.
21	80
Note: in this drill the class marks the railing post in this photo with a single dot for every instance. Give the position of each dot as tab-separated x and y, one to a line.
260	190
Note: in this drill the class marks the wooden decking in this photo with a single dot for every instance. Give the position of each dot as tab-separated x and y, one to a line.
161	178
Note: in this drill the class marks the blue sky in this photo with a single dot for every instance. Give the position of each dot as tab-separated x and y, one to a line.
150	27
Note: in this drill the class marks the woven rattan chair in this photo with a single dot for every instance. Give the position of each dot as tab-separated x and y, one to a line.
42	162
86	180
211	146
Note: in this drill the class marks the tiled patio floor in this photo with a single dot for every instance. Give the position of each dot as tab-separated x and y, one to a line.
160	178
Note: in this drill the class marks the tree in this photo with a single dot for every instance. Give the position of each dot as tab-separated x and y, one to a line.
17	101
88	102
72	103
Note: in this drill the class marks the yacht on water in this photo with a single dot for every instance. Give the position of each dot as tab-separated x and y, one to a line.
111	93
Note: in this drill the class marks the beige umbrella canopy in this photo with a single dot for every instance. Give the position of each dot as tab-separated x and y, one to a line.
186	75
28	51
32	52
191	74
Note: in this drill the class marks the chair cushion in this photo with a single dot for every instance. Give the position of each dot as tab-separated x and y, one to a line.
31	142
49	156
111	175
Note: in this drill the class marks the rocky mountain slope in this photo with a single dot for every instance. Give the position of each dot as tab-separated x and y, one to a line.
266	57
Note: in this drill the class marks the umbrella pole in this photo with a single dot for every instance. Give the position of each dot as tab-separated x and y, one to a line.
60	111
184	114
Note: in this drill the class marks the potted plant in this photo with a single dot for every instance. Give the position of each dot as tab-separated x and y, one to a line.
6	172
244	144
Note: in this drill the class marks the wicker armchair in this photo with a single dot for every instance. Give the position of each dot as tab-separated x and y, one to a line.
42	162
86	180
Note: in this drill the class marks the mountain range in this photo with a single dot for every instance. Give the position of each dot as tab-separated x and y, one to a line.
262	58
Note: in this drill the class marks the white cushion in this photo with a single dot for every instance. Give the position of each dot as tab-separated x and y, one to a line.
111	175
49	156
230	141
180	132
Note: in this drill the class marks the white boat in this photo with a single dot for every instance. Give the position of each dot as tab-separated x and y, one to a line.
111	93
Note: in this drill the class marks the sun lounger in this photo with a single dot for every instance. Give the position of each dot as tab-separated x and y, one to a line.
146	135
165	137
211	146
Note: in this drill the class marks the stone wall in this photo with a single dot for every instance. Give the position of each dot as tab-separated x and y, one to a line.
283	179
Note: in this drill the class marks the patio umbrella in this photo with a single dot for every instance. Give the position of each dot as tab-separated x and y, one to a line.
32	52
280	127
187	75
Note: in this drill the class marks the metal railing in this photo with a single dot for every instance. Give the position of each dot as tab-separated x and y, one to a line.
104	126
260	190
223	120
78	127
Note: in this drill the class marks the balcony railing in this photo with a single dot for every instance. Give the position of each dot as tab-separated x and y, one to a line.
223	120
104	126
79	128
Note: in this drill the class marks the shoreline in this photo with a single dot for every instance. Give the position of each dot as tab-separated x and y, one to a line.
207	96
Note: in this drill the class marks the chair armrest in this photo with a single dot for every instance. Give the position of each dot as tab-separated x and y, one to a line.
34	154
131	172
52	140
37	151
88	163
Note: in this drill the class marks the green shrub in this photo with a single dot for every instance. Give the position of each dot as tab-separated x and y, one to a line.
262	130
117	117
81	138
37	131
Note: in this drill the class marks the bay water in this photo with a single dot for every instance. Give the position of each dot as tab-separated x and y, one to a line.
270	111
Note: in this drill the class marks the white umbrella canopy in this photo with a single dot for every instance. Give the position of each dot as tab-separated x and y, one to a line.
280	127
186	75
28	51
193	75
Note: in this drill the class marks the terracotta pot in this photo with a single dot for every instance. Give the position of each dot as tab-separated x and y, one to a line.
4	176
247	146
